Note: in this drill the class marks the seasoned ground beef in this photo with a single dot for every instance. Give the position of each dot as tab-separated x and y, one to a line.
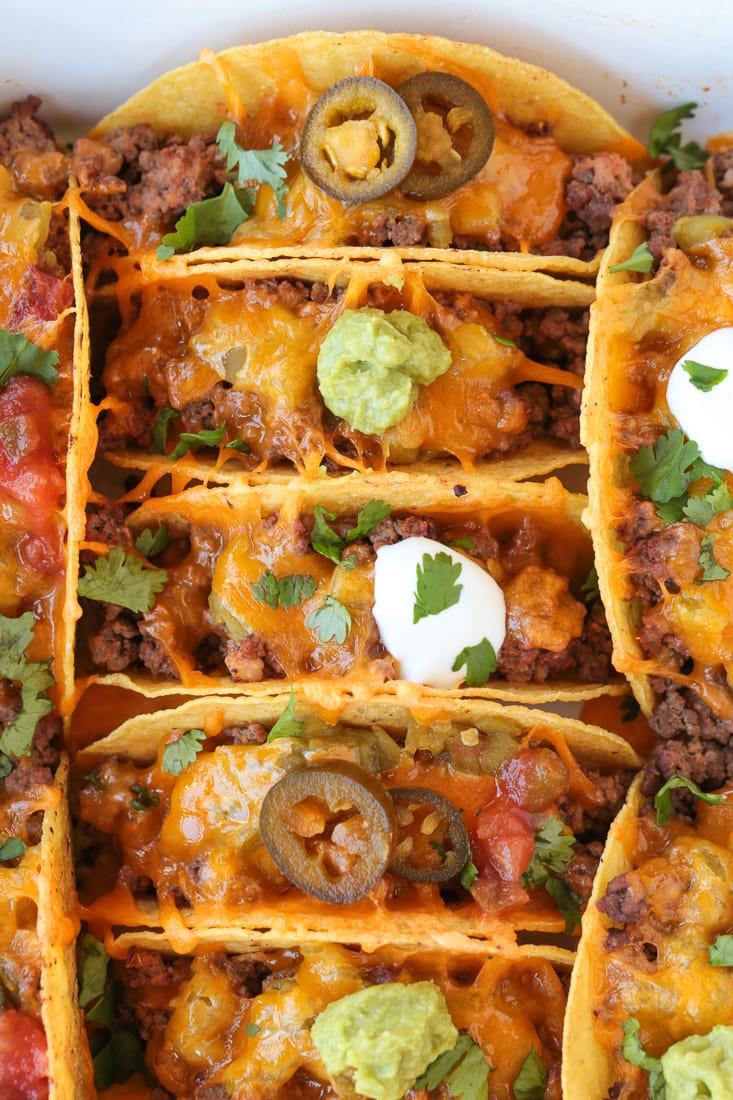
251	660
625	899
587	657
588	826
721	165
115	646
150	968
39	767
245	973
250	734
393	529
691	195
106	523
401	230
593	191
581	869
29	151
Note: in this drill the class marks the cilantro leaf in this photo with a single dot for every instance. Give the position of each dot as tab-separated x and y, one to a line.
144	798
438	1069
6	765
566	900
35	679
189	441
436	586
331	620
177	755
209	222
240	445
720	953
330	544
640	259
94	779
711	569
252	1030
480	662
553	850
151	544
286	592
663	798
159	434
255	165
531	1081
634	1053
12	848
664	140
700	510
503	340
104	1011
287	724
123	580
463	542
92	969
589	589
373	512
703	377
665	469
469	874
19	355
118	1059
464	1069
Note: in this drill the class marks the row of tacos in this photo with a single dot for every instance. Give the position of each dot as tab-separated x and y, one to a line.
297	408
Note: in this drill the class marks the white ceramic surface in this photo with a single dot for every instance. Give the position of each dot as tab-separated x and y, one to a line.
639	57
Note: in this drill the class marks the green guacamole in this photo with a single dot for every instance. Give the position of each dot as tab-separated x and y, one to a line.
383	1037
700	1066
372	363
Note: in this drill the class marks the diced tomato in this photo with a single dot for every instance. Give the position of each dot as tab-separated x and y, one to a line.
23	1057
502	847
28	470
42	296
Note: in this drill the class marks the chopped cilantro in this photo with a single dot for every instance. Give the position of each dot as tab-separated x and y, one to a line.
720	953
159	434
552	852
503	340
373	512
6	765
664	139
331	545
286	592
463	542
480	662
287	724
531	1081
92	969
19	355
700	510
331	621
144	798
469	874
436	586
177	755
703	377
589	589
209	222
633	1052
240	445
255	165
123	580
190	441
252	1030
94	780
118	1059
463	1068
150	543
438	848
35	679
668	467
12	848
566	900
640	259
663	798
711	569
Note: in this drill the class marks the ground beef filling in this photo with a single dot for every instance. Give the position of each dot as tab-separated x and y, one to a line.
693	193
594	189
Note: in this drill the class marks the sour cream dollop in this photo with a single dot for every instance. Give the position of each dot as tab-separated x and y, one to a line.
427	650
707	418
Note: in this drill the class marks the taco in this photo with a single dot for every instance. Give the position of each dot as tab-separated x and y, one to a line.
315	817
372	581
660	483
651	997
344	368
265	1024
557	163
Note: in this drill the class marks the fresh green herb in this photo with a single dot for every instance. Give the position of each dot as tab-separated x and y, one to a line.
255	165
331	545
567	902
12	848
35	679
711	569
531	1081
93	778
287	724
469	874
19	355
190	441
373	512
630	708
159	434
463	542
240	445
118	1059
480	662
640	259
436	586
104	1011
150	543
553	850
92	969
701	510
252	1030
663	798
633	1052
589	589
503	340
464	1069
286	592
438	848
209	222
6	765
703	378
144	798
122	579
720	953
664	139
331	620
668	467
177	755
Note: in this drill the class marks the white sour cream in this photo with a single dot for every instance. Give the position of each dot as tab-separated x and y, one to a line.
707	418
426	650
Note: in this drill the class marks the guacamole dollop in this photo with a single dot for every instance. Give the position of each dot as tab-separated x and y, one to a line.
700	1066
383	1037
372	363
